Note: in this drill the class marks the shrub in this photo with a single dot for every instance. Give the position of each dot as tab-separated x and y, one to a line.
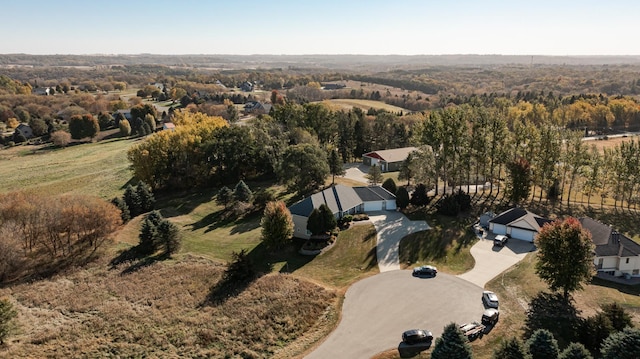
390	185
402	198
361	217
277	224
419	196
61	138
7	313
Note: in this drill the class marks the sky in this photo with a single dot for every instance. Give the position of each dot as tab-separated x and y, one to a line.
299	27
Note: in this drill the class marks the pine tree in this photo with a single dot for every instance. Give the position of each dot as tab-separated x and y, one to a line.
622	345
132	200
124	209
510	349
390	185
542	345
375	175
169	237
576	351
145	196
242	193
402	197
224	196
452	344
335	166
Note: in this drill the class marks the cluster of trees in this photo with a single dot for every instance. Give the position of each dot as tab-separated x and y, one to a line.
157	233
135	201
50	228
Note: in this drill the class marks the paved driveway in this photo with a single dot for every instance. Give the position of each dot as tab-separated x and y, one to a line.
378	309
491	260
391	227
356	172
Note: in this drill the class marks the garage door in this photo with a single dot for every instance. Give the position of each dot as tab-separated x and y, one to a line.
523	234
373	206
499	229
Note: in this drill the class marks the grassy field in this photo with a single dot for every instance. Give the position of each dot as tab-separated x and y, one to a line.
365	105
99	168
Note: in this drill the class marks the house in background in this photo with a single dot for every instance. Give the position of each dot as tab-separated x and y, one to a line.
387	160
25	130
517	223
333	86
341	200
42	91
257	108
246	86
615	253
168	126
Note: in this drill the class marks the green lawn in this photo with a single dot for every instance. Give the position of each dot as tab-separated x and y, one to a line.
447	244
99	169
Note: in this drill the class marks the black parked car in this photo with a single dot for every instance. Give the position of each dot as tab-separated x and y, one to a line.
415	336
425	271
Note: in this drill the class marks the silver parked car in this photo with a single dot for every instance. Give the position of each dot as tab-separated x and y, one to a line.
490	299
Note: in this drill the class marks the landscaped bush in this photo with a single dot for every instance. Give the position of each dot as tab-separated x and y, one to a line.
360	217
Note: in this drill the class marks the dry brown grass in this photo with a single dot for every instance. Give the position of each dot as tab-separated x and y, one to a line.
609	143
160	311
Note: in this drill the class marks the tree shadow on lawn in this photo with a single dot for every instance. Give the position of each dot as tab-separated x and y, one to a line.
247	267
179	203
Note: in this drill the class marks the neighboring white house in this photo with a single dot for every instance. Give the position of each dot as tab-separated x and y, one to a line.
615	253
387	160
341	200
517	223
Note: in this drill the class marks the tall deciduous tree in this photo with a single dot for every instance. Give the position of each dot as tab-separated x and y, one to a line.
452	344
565	255
406	172
277	224
519	184
303	168
335	166
83	126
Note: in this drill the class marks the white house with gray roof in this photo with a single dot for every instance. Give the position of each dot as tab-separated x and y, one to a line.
614	253
341	200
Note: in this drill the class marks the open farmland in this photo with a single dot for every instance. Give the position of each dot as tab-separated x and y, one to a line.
365	105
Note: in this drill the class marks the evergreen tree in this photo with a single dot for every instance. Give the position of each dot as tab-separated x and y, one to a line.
314	222
277	224
145	196
150	232
402	198
452	344
242	193
390	185
124	209
542	345
406	172
7	313
169	237
132	200
575	351
511	348
321	220
375	175
419	196
328	219
622	345
619	318
224	196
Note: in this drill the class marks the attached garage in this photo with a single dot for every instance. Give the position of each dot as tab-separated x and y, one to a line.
523	234
518	223
498	228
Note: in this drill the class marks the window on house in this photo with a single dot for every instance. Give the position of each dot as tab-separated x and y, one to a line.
627	261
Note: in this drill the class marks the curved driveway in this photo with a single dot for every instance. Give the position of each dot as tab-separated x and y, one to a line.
391	227
378	309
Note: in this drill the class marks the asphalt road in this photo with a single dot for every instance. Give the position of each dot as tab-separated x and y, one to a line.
378	309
